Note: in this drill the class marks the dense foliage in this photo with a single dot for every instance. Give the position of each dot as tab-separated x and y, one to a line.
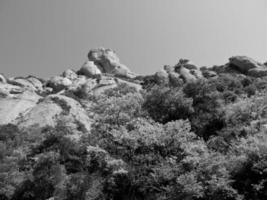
203	140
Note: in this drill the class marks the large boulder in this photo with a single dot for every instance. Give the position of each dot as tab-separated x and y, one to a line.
244	63
53	109
89	69
107	61
14	102
58	83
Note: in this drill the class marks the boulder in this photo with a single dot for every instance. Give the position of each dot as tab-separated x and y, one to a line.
244	63
89	69
258	72
186	75
2	79
209	73
70	74
23	82
53	109
107	61
15	102
37	83
58	83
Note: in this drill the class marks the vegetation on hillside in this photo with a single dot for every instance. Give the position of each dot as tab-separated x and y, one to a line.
203	140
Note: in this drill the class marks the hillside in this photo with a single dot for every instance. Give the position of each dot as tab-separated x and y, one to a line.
103	132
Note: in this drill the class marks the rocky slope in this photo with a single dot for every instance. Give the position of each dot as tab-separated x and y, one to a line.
34	103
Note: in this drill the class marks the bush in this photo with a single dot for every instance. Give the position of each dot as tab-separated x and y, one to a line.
164	104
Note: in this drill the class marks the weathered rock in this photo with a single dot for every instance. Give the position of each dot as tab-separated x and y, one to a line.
89	69
70	74
58	83
55	108
15	102
37	83
105	59
24	83
244	63
186	75
258	72
108	62
209	73
2	79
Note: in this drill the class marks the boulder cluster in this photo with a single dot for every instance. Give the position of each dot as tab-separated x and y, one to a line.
34	103
28	101
185	71
103	60
248	66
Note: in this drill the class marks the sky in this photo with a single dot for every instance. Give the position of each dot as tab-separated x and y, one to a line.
45	37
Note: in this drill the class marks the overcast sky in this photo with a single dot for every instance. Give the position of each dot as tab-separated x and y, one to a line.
45	37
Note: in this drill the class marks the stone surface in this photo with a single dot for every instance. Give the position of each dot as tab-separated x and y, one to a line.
244	63
70	74
258	72
89	69
58	83
15	102
209	73
2	79
107	61
37	83
52	109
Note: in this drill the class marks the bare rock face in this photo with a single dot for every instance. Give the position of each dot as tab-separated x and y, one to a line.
58	83
52	109
108	62
14	101
89	69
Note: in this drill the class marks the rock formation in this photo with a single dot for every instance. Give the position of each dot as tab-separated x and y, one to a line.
33	102
248	66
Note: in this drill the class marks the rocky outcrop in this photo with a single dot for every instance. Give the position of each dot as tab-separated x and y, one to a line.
243	63
58	83
89	69
52	109
14	101
248	66
69	74
258	72
108	62
2	78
